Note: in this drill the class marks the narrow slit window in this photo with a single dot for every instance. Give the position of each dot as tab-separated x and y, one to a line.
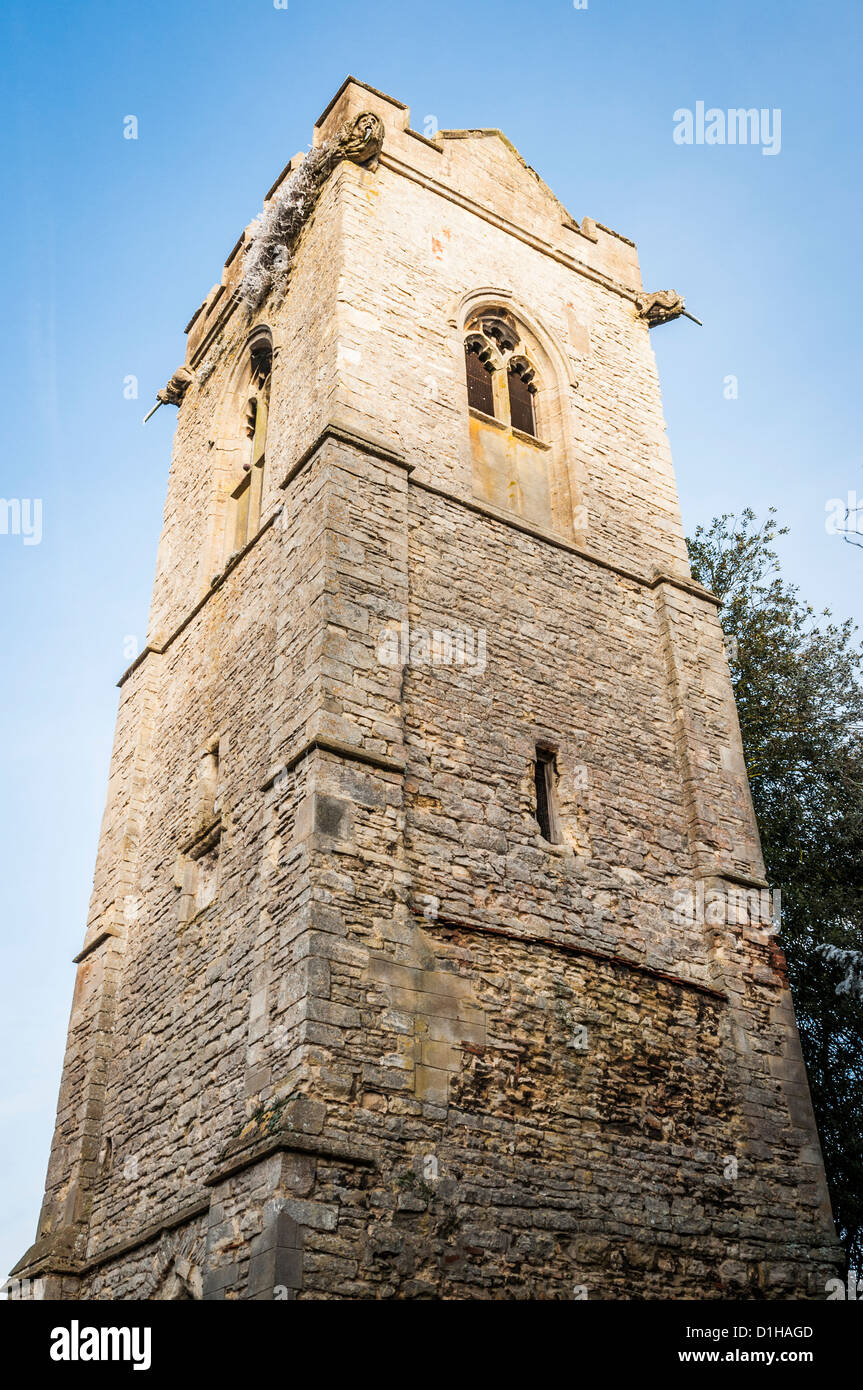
256	426
252	432
248	494
106	1156
521	394
207	789
546	809
199	882
480	392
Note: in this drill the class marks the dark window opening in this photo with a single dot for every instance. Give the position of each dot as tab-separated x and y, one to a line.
480	392
261	366
261	363
251	426
521	394
546	815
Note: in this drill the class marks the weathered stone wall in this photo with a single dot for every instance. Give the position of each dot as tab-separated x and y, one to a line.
345	1024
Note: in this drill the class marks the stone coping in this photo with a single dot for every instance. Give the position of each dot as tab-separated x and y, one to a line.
245	1155
349	751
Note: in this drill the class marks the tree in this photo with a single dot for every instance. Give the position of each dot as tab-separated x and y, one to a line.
798	682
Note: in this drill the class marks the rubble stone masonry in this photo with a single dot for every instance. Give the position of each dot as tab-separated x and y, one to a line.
346	1025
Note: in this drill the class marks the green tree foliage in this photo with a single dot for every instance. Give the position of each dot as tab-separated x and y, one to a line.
798	681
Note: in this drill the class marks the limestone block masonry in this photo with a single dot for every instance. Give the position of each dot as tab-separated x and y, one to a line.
350	1020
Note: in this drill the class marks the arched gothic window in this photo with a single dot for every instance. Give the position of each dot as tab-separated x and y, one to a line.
522	422
499	383
517	419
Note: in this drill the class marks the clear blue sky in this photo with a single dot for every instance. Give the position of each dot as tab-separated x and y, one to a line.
110	244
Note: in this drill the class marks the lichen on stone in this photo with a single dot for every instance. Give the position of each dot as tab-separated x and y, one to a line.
277	229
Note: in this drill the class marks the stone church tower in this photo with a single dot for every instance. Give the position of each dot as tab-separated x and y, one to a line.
428	955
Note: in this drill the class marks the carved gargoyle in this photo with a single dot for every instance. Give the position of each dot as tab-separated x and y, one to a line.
360	142
660	307
173	393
